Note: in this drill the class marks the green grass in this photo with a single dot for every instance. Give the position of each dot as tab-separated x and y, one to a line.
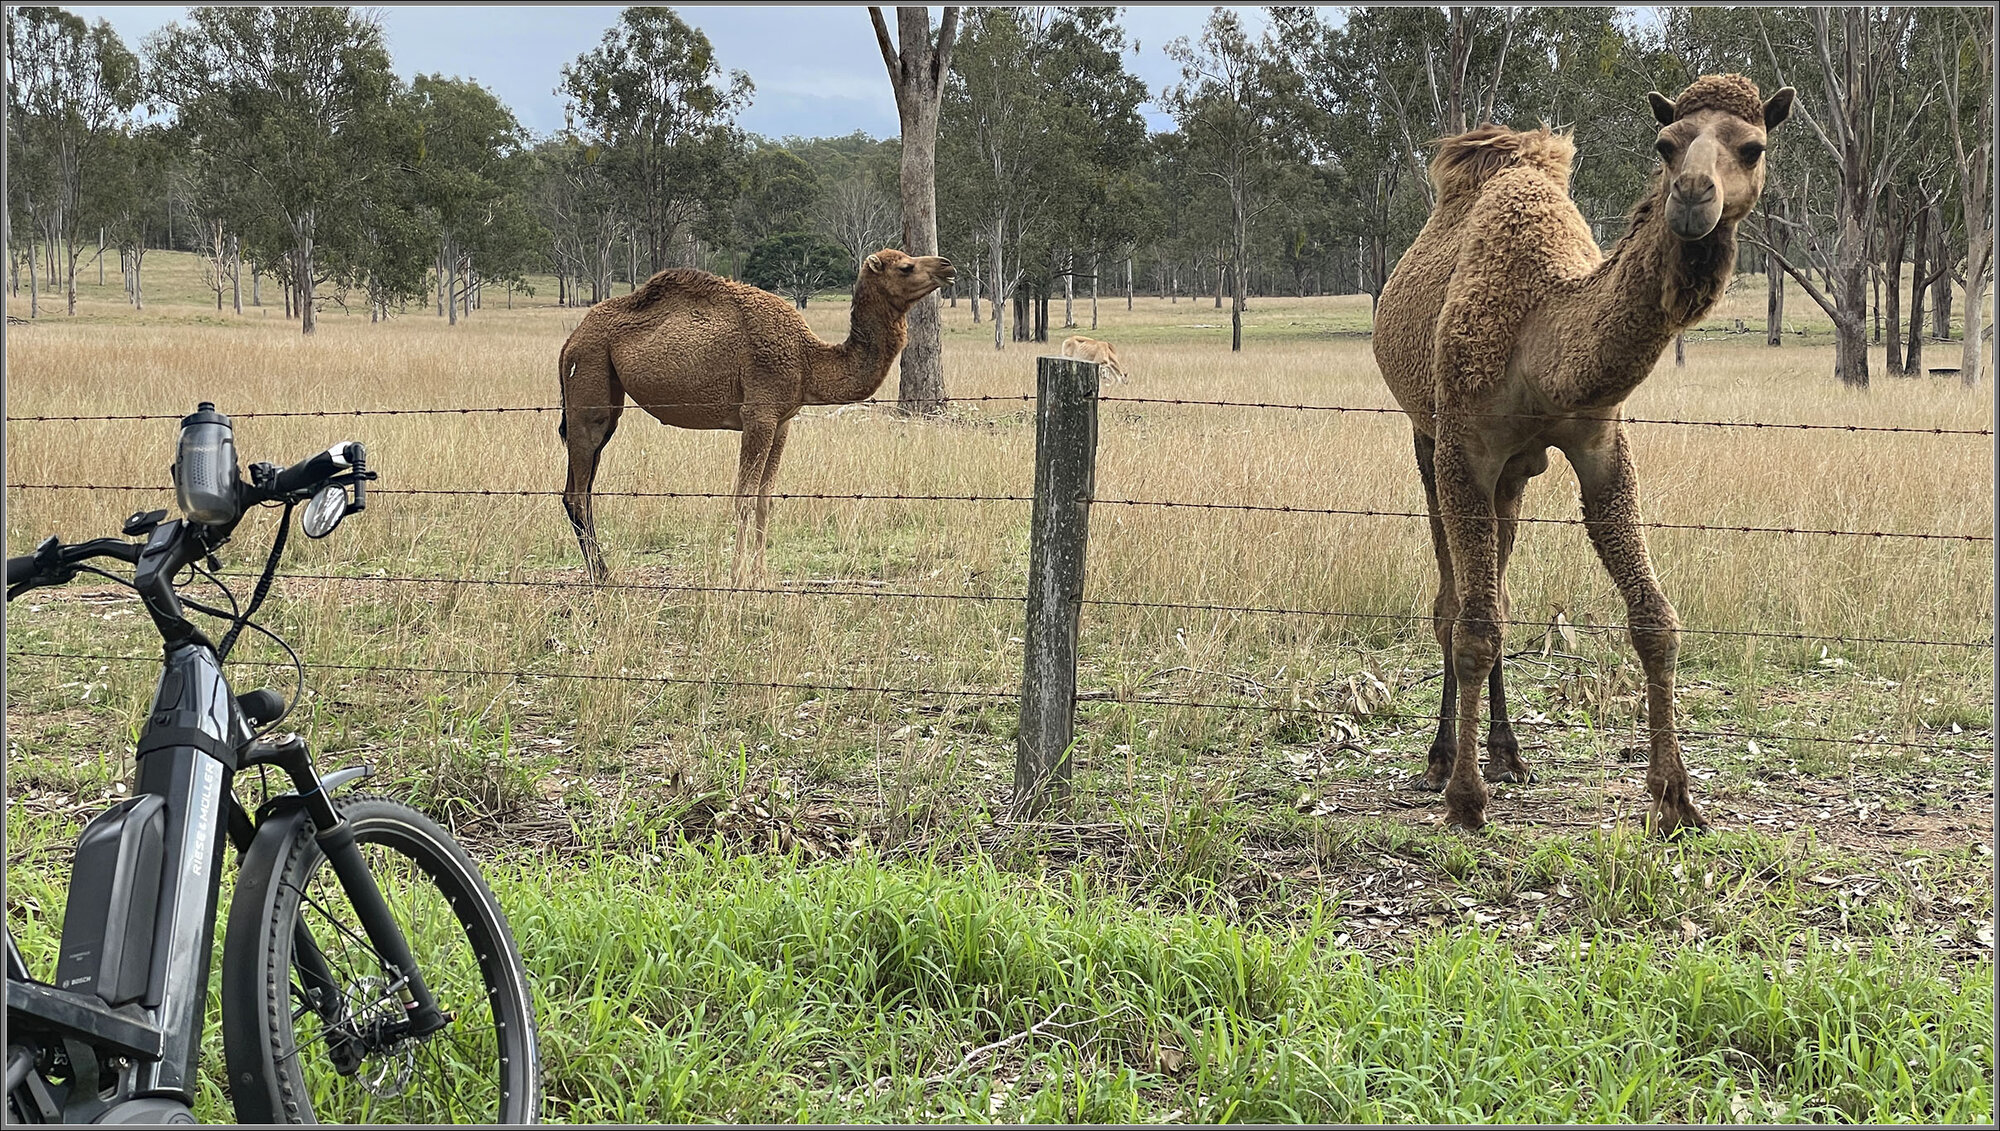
693	984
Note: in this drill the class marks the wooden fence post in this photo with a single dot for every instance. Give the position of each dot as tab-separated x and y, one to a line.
1065	477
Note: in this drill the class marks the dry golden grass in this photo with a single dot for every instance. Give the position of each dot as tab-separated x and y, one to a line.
1297	350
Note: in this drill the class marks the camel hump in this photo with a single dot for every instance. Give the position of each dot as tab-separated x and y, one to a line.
1465	163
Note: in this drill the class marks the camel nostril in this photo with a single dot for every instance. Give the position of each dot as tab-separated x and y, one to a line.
1694	192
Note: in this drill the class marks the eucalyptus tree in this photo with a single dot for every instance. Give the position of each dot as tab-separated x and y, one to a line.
70	88
1962	52
1228	106
468	178
999	130
289	107
655	105
918	64
1856	99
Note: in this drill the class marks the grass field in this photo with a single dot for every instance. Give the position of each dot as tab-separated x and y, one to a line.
769	903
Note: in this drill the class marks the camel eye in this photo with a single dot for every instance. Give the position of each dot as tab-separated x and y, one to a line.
1666	149
1750	152
909	267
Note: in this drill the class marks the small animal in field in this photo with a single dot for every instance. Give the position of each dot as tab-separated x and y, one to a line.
699	351
1090	349
1504	332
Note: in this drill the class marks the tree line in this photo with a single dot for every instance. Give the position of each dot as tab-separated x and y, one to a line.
281	142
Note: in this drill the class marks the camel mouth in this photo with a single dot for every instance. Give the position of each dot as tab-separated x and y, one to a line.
1692	222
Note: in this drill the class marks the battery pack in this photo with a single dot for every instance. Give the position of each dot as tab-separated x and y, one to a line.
114	897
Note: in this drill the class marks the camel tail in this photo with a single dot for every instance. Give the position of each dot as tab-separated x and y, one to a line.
1465	163
565	369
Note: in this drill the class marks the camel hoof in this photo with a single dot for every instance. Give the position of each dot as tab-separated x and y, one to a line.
1423	783
1673	823
1519	775
1469	824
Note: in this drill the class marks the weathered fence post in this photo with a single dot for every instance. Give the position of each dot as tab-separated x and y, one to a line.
1065	477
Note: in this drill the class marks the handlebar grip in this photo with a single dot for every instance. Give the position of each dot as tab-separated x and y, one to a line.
20	569
309	472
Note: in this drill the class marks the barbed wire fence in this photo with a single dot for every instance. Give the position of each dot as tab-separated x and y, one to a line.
1065	386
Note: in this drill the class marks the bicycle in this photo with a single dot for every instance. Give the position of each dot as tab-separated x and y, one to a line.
368	974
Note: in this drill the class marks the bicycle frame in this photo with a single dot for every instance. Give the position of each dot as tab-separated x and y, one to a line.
195	739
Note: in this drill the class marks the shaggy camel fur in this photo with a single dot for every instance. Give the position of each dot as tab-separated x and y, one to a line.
699	351
1090	349
1504	332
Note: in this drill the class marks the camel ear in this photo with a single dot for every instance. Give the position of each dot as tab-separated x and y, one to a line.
1663	107
872	263
1778	108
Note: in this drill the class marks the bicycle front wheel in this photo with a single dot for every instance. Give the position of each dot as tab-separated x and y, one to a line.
313	1016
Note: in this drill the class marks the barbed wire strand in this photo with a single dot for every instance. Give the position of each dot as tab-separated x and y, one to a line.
1386	410
1082	698
1102	602
1268	508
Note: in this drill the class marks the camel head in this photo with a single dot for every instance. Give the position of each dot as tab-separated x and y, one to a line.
1712	150
903	279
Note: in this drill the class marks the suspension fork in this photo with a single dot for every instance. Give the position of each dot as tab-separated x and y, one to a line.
336	841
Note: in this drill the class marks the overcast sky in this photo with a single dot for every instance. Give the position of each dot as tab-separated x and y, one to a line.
817	69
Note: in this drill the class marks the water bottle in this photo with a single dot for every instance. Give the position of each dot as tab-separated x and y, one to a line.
205	468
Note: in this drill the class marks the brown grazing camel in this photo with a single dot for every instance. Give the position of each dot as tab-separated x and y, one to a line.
700	351
1504	332
1091	349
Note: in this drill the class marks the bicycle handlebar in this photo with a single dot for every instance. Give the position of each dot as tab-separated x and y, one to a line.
306	476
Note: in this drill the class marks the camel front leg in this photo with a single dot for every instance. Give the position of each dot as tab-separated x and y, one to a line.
586	429
1610	488
1503	749
757	438
764	485
1444	609
1466	481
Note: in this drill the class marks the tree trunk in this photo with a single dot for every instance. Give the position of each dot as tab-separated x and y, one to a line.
1942	261
974	293
918	73
308	320
1875	285
1239	274
34	288
1774	305
256	289
1042	312
100	255
236	273
1069	295
999	292
1978	255
440	277
450	284
1024	315
1094	264
1913	357
1897	227
1128	284
1850	296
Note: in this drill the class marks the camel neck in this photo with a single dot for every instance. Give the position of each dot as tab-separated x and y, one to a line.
854	369
1652	286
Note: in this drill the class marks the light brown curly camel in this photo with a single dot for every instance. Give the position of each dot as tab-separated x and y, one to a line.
1091	349
700	351
1504	332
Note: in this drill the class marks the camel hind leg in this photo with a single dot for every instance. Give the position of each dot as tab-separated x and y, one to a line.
592	401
